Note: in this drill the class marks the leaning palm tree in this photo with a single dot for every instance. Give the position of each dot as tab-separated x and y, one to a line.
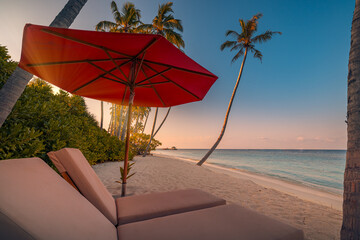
126	20
351	206
243	42
15	85
165	24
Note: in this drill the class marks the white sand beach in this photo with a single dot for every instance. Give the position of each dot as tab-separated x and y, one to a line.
317	213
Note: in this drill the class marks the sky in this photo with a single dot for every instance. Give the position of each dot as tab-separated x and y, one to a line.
294	99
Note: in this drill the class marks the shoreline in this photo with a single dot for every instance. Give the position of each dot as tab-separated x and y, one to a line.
303	192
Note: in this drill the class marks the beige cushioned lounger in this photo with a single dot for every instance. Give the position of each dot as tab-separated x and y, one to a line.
36	203
227	222
132	208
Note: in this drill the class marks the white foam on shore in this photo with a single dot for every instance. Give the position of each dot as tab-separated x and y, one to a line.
303	192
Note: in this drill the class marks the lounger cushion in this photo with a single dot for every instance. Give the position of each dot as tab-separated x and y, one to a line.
143	207
75	164
36	203
230	222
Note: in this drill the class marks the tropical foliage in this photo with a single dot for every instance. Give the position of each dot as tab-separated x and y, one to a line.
7	66
42	121
243	42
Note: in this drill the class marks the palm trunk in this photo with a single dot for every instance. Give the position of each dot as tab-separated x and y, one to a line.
351	206
15	85
115	122
120	121
124	129
111	120
152	133
147	116
136	123
102	115
162	121
227	114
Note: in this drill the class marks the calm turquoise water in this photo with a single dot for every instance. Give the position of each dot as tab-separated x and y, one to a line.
322	169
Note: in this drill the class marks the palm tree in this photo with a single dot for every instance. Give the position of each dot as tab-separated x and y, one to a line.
244	42
351	206
125	21
165	24
15	85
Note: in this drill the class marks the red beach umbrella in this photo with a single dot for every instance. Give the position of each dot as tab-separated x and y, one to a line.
122	68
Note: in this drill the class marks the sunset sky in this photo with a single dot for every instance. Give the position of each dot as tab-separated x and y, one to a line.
294	99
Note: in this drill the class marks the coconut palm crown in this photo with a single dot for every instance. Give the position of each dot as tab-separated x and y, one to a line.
246	39
165	24
127	20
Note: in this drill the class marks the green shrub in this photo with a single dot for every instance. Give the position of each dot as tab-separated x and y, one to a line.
42	122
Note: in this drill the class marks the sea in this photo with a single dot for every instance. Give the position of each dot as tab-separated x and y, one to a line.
320	169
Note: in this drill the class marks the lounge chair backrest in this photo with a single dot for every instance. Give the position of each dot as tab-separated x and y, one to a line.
36	203
75	164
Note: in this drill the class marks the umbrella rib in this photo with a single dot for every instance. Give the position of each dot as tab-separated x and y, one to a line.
157	74
179	68
114	80
155	83
122	102
82	42
72	62
107	72
137	72
146	48
117	66
156	92
100	76
176	84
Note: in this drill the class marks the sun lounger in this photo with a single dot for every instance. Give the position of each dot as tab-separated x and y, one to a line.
131	208
36	203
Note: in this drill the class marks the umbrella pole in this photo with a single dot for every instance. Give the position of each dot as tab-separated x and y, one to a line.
127	143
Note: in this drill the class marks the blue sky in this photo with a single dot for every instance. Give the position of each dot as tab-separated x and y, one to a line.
295	98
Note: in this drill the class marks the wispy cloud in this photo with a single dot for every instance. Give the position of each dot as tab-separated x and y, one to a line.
300	139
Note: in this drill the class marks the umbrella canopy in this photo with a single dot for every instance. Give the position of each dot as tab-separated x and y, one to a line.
104	66
114	67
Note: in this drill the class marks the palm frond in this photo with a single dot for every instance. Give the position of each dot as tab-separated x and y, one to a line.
174	37
257	53
239	54
115	12
105	26
264	37
145	28
239	47
232	33
242	25
227	44
256	17
165	8
173	23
